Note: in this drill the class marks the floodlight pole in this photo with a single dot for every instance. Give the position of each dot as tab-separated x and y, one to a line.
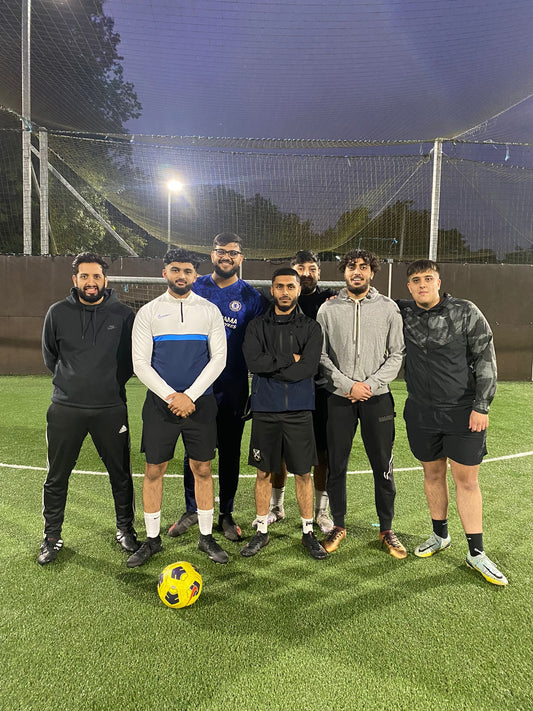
43	193
26	130
435	200
168	217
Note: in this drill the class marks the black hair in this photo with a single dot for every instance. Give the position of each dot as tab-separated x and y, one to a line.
303	256
182	256
286	271
368	258
225	238
90	258
422	265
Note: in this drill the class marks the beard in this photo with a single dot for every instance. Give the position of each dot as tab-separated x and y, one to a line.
90	298
225	273
285	306
358	290
179	290
308	285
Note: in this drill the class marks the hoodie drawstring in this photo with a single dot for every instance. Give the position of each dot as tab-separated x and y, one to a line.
357	327
85	325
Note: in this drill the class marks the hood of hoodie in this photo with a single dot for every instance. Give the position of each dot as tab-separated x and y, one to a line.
90	323
270	314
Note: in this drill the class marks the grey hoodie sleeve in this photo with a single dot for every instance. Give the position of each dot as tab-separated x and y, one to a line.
335	379
390	368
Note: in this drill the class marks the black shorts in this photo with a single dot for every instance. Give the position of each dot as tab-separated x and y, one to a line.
435	433
320	419
283	435
161	429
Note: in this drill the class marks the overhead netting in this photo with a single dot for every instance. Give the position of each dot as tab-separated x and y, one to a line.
120	85
281	196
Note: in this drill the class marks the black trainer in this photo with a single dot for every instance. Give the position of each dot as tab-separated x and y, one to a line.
188	519
207	544
229	528
50	547
254	545
127	539
315	548
149	548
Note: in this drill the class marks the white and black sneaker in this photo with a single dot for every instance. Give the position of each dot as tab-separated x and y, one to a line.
483	564
50	547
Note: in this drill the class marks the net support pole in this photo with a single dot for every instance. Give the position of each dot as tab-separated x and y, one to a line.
389	289
26	129
169	213
43	193
92	211
435	200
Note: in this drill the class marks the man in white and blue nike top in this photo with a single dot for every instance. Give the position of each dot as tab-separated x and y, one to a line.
179	349
239	303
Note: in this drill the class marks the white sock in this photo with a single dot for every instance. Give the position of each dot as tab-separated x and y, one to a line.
205	521
307	525
277	497
152	522
262	525
321	500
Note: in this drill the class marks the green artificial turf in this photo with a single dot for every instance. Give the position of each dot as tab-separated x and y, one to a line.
359	630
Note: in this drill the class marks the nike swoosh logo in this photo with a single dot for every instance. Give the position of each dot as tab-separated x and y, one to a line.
162	315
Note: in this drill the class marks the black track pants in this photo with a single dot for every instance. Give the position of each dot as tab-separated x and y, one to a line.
67	428
377	431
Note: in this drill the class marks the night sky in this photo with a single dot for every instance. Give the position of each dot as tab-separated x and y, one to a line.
382	69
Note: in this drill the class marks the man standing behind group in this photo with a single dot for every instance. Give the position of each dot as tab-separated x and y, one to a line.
307	265
179	349
362	353
87	347
239	303
450	372
282	349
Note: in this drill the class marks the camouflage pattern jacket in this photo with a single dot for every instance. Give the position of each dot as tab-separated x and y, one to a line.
450	359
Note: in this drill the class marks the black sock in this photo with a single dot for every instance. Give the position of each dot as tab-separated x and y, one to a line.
440	528
475	543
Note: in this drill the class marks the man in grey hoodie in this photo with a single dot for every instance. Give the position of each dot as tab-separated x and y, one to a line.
362	353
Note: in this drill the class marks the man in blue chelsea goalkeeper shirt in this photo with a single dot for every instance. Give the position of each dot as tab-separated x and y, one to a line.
239	303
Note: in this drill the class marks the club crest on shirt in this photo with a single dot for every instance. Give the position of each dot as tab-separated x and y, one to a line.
256	454
235	305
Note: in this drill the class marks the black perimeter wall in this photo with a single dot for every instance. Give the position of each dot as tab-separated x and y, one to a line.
30	284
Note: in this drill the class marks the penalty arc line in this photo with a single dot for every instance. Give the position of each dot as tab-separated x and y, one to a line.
252	476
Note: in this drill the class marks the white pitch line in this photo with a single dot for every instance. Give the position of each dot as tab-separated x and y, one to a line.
252	476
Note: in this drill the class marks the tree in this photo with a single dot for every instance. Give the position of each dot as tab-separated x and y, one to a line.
78	84
76	73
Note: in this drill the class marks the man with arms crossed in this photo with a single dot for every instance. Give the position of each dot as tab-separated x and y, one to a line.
87	347
450	372
307	265
239	303
362	353
282	350
179	349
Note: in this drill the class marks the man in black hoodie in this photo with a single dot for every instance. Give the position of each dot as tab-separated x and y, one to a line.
87	346
282	349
